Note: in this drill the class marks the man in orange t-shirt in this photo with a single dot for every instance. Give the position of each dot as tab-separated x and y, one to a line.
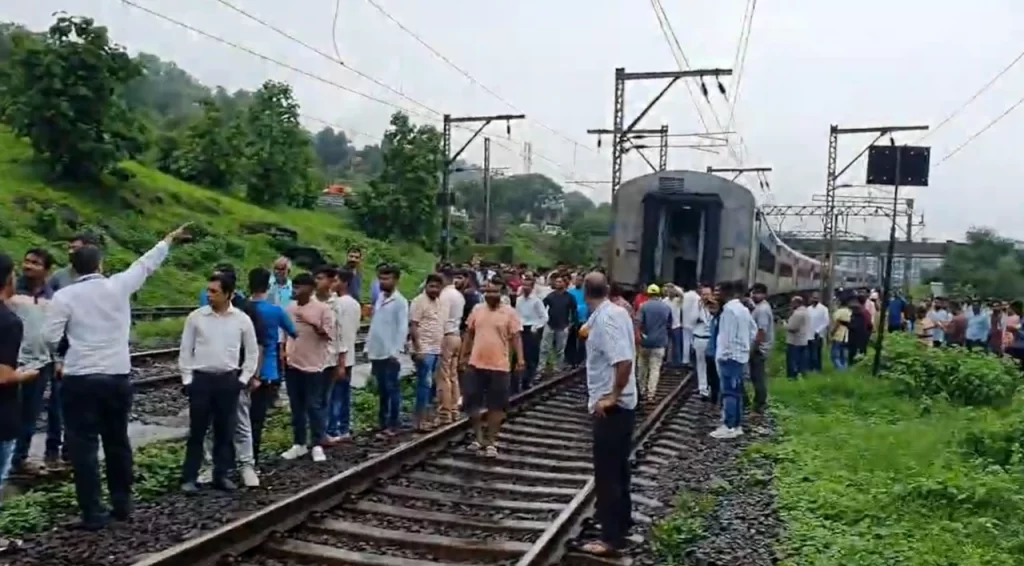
492	330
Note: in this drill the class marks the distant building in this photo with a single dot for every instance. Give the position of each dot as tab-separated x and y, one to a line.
334	196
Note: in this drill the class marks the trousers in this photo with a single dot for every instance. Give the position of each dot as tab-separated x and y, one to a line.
649	370
612	435
212	402
242	440
448	391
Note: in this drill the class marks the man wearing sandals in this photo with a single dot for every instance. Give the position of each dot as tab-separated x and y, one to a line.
612	399
493	329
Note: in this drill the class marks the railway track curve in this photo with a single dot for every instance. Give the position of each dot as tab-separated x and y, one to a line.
431	502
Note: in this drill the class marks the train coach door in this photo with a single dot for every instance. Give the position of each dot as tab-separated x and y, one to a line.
671	212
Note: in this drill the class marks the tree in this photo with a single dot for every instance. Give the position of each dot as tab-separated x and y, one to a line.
987	266
576	204
65	95
333	150
210	153
530	197
402	201
279	152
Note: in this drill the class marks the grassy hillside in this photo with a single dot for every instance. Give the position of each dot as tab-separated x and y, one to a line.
136	214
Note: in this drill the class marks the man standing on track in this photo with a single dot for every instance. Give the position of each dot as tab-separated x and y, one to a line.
562	316
339	403
737	331
493	329
689	311
655	321
218	358
612	400
448	389
385	342
95	314
427	315
534	316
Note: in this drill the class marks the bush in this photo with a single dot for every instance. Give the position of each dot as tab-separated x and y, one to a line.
954	374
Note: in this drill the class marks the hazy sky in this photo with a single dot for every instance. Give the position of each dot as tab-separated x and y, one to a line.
809	63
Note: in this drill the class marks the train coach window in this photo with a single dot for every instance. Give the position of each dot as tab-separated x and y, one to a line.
785	270
765	259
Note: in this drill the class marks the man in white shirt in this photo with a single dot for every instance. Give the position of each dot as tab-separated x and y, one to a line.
798	331
213	341
690	311
95	315
737	332
674	299
348	316
448	390
819	323
531	310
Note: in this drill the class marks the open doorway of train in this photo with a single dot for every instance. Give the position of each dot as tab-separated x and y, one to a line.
680	237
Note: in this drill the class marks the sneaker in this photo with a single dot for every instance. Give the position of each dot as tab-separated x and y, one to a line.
205	476
736	432
249	477
491	451
224	485
721	432
295	452
318	454
189	487
335	440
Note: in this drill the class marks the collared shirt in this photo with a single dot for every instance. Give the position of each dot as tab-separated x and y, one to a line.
798	327
214	342
531	311
690	309
675	306
736	333
31	308
609	342
581	305
348	316
655	321
389	327
978	326
309	349
818	314
429	317
276	323
204	299
280	294
765	321
454	304
96	314
939	317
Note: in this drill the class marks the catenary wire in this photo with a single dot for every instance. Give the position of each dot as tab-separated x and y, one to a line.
741	59
978	134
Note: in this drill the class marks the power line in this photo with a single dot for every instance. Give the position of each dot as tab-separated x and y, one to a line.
977	134
741	58
316	77
470	77
662	21
971	100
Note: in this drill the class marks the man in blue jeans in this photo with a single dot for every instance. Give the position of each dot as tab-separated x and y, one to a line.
385	341
347	316
426	325
736	334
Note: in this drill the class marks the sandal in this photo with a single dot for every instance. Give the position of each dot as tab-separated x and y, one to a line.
600	549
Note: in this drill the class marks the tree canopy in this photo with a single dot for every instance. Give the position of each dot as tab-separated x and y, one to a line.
987	266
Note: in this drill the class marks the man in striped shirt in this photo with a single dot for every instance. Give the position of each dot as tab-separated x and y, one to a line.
736	333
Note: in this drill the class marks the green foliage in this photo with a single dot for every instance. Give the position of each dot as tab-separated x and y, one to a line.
401	203
951	374
279	152
209	154
685	526
867	476
988	266
64	95
515	199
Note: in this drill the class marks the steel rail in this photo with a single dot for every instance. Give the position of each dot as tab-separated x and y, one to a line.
242	535
553	543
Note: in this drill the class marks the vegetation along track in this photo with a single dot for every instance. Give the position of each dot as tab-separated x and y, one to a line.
432	502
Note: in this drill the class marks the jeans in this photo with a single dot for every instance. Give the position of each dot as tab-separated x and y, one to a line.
839	355
212	401
307	396
552	343
389	392
612	436
796	360
426	366
339	406
531	351
31	405
260	402
97	408
675	340
814	354
730	373
6	454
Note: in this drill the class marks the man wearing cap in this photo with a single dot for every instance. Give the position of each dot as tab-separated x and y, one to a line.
655	320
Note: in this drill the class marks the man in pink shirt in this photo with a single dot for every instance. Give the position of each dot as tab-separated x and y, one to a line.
305	358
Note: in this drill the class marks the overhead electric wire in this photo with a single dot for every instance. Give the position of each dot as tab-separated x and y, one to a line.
689	87
742	47
319	78
470	77
978	134
971	100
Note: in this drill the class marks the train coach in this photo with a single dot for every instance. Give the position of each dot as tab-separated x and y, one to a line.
689	226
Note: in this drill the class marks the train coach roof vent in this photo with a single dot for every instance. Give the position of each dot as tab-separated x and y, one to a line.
671	184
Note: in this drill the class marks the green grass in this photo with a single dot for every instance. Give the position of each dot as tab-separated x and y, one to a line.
135	214
867	476
158	333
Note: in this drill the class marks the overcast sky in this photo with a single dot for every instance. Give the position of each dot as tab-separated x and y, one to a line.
809	63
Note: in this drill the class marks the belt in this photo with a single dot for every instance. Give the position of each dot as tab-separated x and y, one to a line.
704	337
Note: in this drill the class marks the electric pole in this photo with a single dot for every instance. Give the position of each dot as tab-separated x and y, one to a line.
487	190
830	218
620	131
445	197
663	148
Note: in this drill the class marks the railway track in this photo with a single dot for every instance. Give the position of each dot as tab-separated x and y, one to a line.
432	502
